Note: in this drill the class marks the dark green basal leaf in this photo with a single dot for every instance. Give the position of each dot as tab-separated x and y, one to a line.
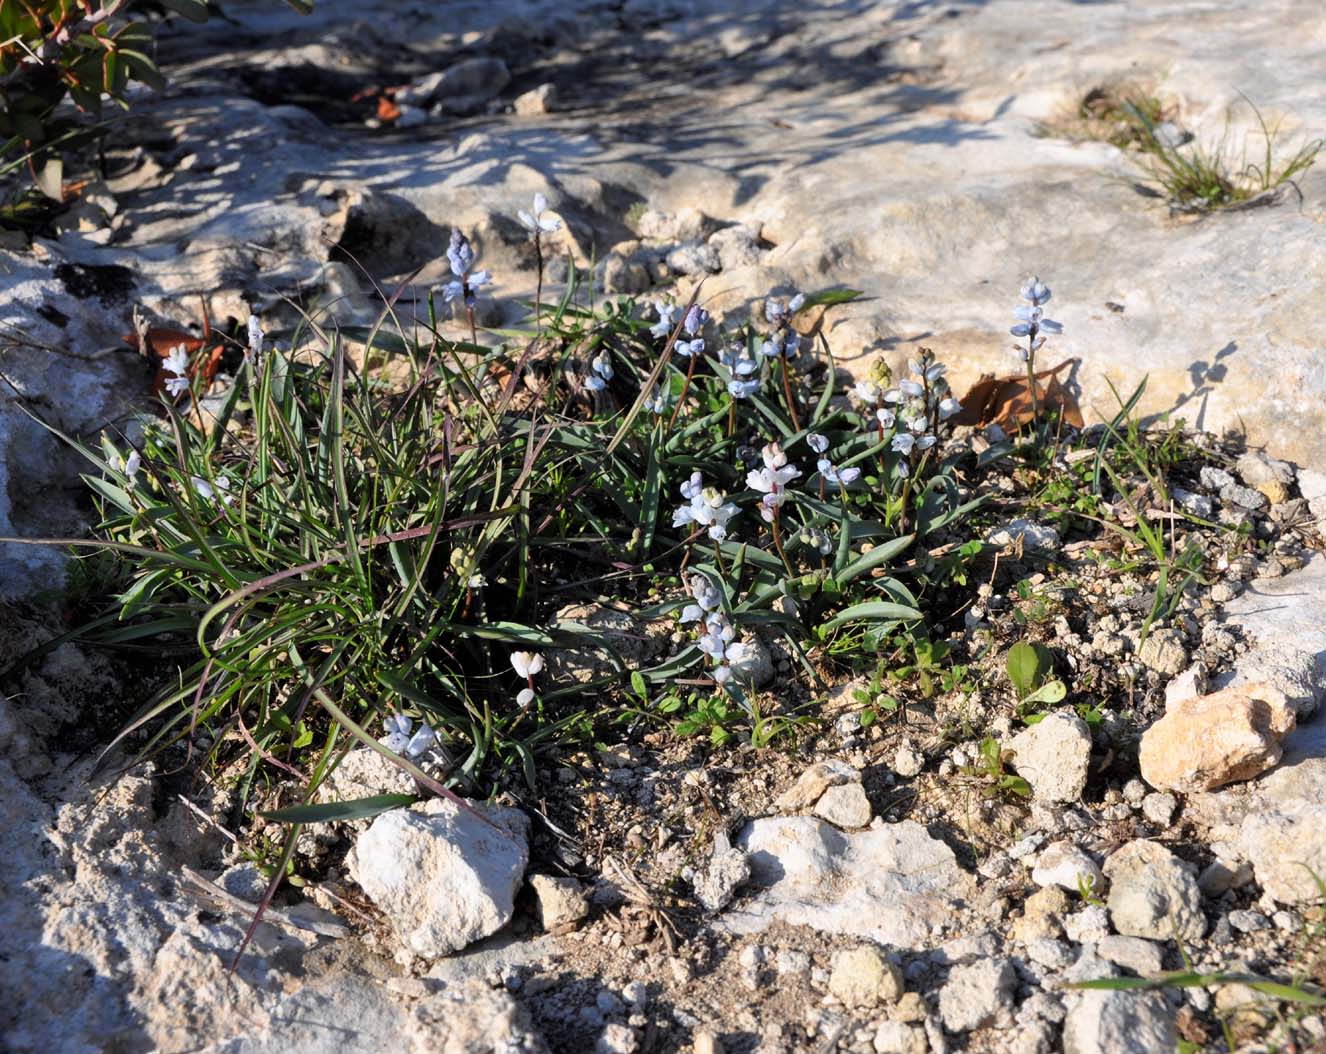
193	10
871	611
880	554
330	812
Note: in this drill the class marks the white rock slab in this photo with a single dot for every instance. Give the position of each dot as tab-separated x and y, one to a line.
894	883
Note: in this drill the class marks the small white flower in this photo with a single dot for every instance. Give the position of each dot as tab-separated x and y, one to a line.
867	392
177	362
128	466
477	581
535	222
525	663
838	477
911	388
667	318
894	396
742	389
525	696
657	401
692	487
886	418
707	599
818	443
949	407
689	348
903	443
255	337
203	488
399	739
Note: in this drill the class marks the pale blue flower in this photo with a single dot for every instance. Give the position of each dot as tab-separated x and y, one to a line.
817	442
602	372
657	400
535	222
460	254
1036	291
695	320
667	319
839	477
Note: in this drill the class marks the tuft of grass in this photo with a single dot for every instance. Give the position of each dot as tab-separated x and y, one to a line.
1195	177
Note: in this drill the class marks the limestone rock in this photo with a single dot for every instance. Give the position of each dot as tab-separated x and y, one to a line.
898	1037
1286	848
537	101
1211	740
562	902
1153	893
813	782
441	875
1064	865
727	871
1256	468
1145	958
1106	1022
894	884
862	977
977	994
363	773
1026	534
1053	756
1293	670
459	89
632	640
845	805
1164	652
736	247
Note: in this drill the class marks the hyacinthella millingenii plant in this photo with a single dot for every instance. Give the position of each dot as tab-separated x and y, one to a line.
1033	325
338	555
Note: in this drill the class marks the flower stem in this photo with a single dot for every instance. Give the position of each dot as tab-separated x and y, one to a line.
686	387
1031	377
474	333
538	289
787	392
731	417
778	543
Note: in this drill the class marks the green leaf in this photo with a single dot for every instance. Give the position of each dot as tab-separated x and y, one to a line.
1028	665
871	611
1049	693
1192	979
829	297
193	10
327	812
880	554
